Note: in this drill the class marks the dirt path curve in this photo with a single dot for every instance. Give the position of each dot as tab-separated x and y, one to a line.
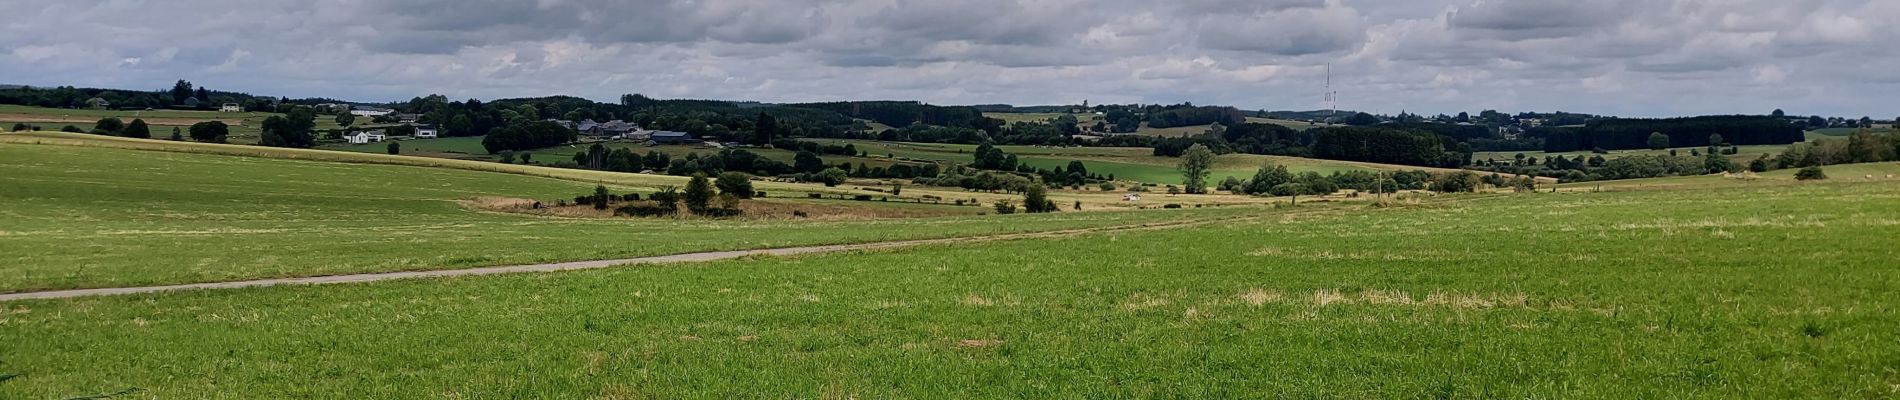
580	265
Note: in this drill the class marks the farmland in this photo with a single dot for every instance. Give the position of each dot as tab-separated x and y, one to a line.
1743	155
1126	163
470	148
244	126
1764	289
161	217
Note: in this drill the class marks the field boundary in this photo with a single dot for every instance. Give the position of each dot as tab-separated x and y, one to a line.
599	264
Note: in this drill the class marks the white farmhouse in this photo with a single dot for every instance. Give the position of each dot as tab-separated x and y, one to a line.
230	107
366	137
426	132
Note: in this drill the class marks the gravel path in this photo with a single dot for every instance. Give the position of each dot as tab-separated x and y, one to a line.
570	266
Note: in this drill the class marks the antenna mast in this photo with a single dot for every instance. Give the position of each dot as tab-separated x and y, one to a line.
1332	97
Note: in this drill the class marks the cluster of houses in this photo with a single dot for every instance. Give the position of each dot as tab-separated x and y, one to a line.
617	129
379	135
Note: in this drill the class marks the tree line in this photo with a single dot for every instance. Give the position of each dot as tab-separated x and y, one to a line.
1621	133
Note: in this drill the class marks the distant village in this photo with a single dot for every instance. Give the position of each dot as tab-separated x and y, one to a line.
384	119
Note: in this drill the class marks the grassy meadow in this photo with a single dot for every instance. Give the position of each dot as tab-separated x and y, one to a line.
1126	163
245	127
1729	291
79	217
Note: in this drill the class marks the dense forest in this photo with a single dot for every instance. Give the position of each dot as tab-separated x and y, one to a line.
1617	133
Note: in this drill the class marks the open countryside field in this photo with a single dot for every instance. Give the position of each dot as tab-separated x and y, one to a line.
470	148
1093	200
1730	291
1126	163
1886	172
156	217
244	126
1744	154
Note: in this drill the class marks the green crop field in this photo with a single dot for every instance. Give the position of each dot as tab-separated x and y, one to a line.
79	217
1777	290
244	126
451	147
1127	163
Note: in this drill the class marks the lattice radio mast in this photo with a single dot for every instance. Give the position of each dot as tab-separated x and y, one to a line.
1332	97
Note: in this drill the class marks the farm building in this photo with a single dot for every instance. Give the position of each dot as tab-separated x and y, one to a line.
614	128
230	107
426	132
366	137
670	137
367	111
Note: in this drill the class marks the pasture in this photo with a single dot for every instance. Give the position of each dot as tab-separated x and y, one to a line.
1743	156
81	216
245	127
1731	291
1126	163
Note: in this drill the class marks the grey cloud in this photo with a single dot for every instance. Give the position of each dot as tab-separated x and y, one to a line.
1645	57
1541	19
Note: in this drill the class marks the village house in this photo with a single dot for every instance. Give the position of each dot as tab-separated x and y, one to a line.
366	137
426	132
230	107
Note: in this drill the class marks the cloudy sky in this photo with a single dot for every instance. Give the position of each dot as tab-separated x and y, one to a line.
1624	57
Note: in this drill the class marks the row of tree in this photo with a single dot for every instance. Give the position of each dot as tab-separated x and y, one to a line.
1615	134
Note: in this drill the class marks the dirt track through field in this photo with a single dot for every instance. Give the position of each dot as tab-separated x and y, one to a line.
582	265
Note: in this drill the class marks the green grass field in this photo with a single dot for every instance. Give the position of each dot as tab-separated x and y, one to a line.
1126	163
244	126
1744	154
91	217
470	148
1729	291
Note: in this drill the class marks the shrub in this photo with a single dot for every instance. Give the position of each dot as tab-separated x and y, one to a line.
177	135
735	184
815	195
1108	186
1760	165
137	129
645	210
1036	200
759	194
70	128
109	125
832	176
601	197
1287	189
395	148
17	127
1810	174
861	197
1171	206
1005	207
699	194
210	131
